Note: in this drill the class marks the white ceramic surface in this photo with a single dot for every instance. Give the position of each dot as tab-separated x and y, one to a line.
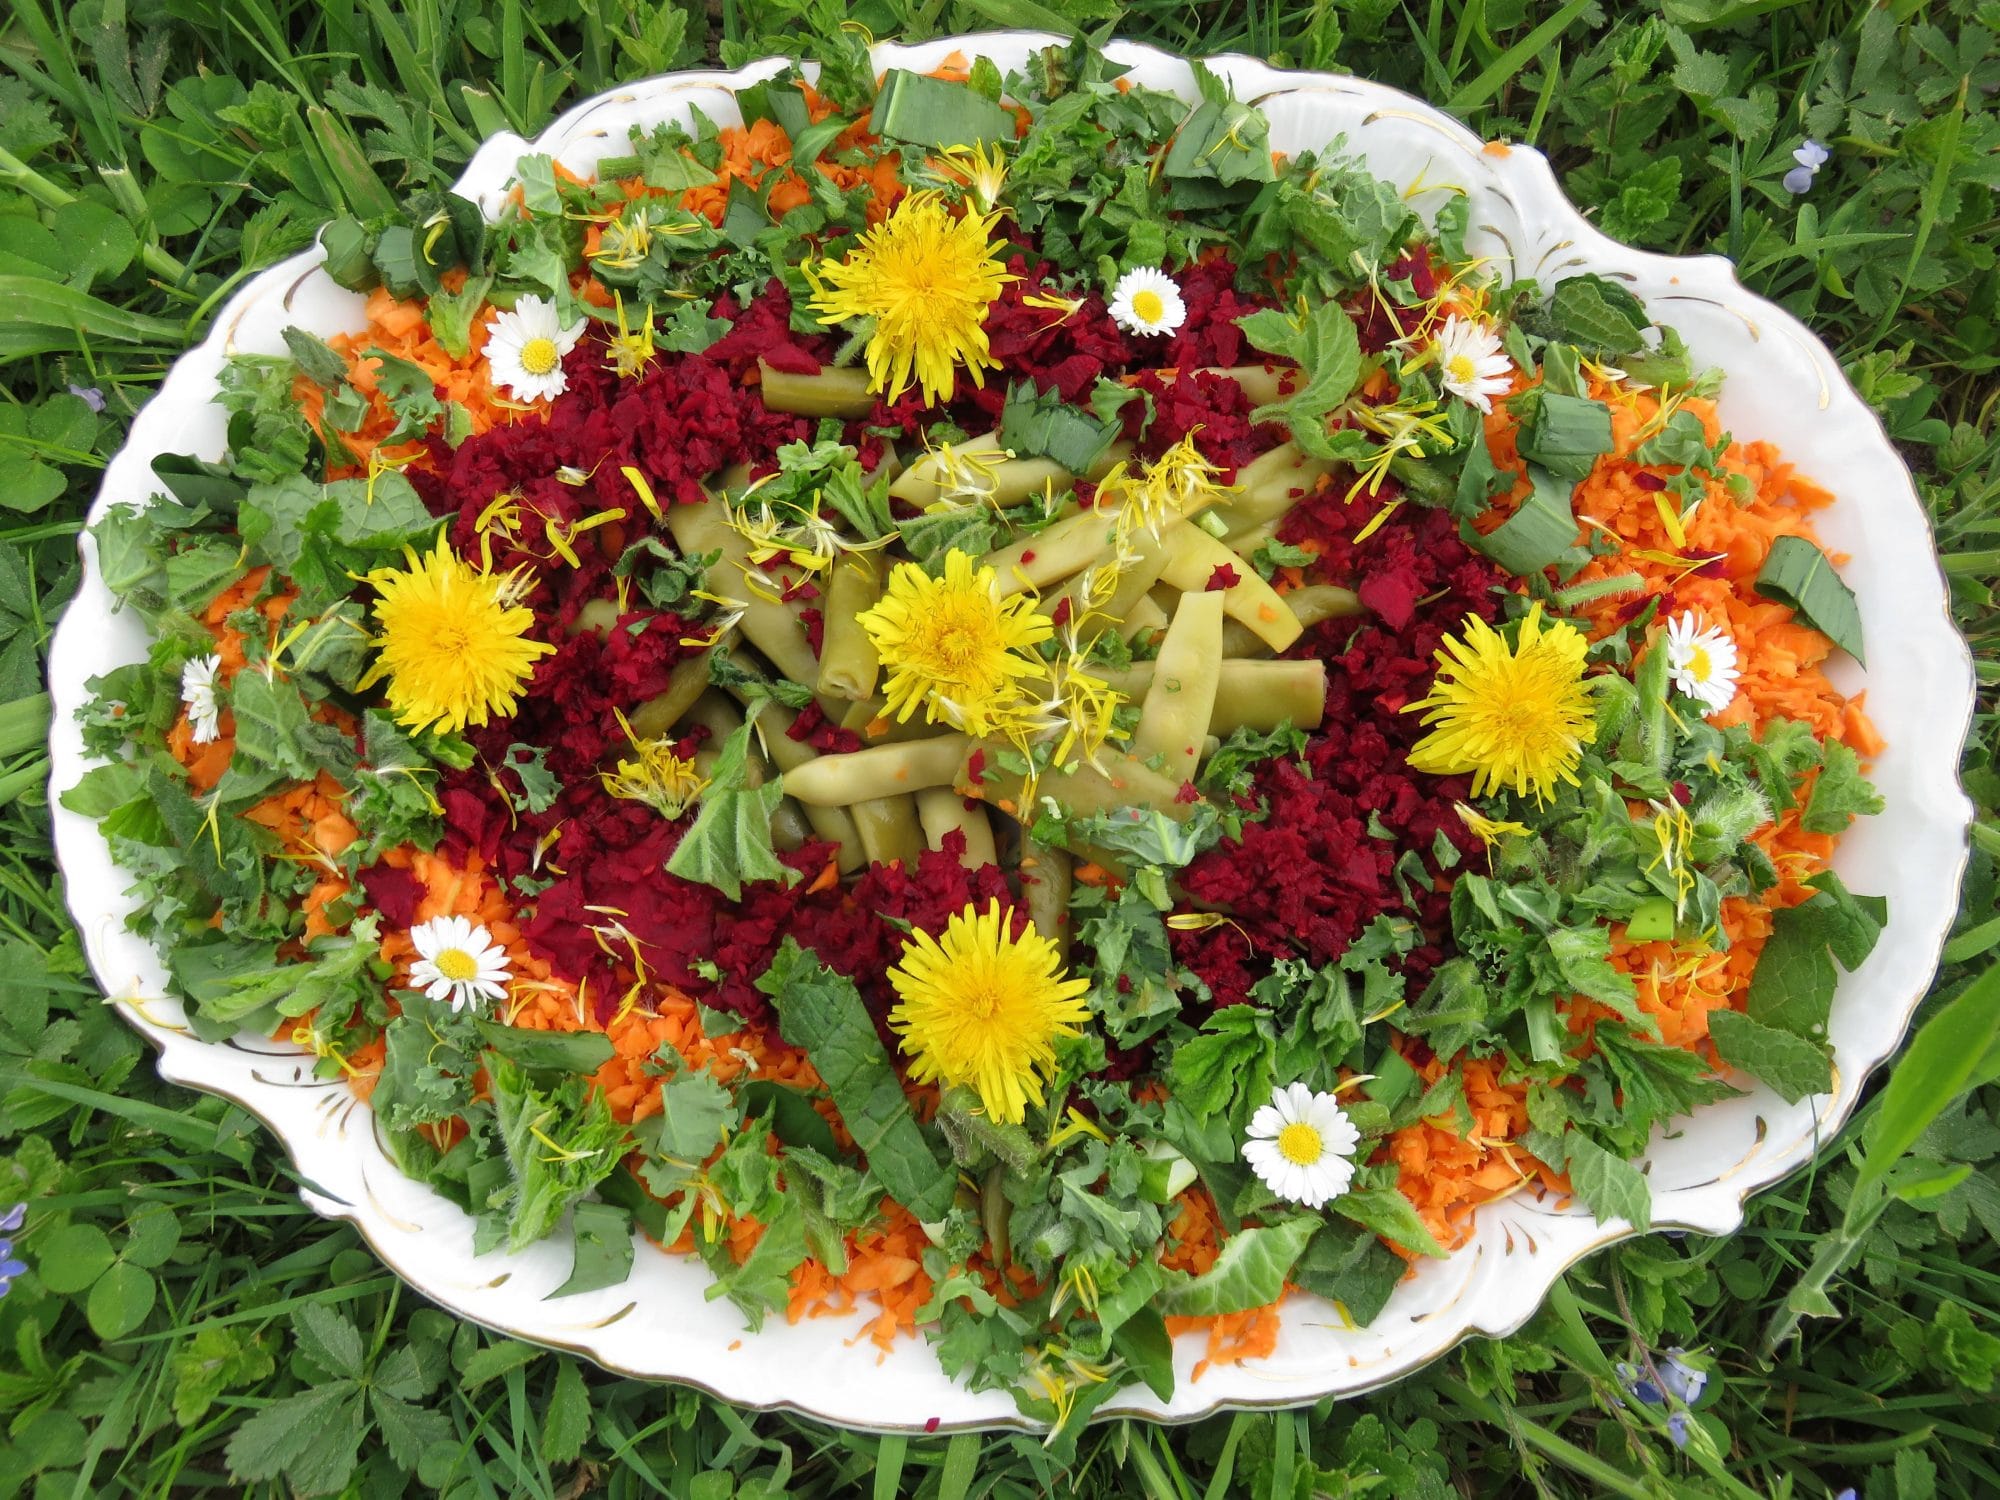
1783	385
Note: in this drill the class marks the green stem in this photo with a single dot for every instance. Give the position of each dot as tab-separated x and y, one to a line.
1832	1257
18	173
34	774
1608	1480
24	723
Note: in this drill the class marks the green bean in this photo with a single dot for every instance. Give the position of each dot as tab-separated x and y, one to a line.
1045	886
1257	695
1181	699
835	391
688	681
1116	781
941	811
890	833
1271	484
848	665
1192	563
880	771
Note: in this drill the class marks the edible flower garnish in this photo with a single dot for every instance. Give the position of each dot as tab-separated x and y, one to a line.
1301	1146
1489	831
952	644
1702	662
1147	301
453	641
984	176
525	349
925	280
983	1009
630	349
1515	717
653	774
457	960
1470	364
198	697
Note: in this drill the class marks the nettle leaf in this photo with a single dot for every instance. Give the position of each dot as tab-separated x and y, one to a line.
822	1013
410	392
1607	1184
1250	1271
1388	1213
1840	794
1040	424
695	1110
1798	574
1323	343
730	842
1793	986
1794	1066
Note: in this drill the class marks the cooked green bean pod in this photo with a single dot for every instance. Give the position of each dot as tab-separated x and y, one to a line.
941	811
879	771
1271	484
688	681
836	391
1193	561
890	833
1174	719
1117	780
769	625
848	665
1257	695
1045	886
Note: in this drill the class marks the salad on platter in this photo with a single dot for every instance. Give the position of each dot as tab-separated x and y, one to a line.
1004	713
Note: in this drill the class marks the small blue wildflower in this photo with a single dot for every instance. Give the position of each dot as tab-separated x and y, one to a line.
11	1221
1684	1382
1847	1494
1810	158
1677	1428
89	395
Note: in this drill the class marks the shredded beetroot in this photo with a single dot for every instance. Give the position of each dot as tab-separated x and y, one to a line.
1224	577
394	892
1310	876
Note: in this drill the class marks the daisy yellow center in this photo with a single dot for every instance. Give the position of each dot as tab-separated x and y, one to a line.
1701	666
1147	306
952	645
540	356
452	645
1300	1144
926	279
456	965
982	1009
1462	369
1511	716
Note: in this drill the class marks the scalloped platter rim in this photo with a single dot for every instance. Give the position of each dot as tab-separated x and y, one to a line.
1783	385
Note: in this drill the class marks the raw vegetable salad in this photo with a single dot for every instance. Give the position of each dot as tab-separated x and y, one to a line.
998	710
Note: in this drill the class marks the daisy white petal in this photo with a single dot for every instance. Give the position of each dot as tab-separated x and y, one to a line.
1309	1159
525	349
1702	662
198	697
1147	301
1470	364
458	961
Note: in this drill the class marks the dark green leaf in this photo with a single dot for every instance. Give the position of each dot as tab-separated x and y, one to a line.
1797	573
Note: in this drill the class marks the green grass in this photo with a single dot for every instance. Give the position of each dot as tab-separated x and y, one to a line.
153	152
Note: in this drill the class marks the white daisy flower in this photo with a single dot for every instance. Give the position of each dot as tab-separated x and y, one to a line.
1702	662
1302	1146
1470	362
525	349
458	961
1147	301
198	697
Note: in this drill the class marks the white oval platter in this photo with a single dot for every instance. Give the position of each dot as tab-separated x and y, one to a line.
1782	385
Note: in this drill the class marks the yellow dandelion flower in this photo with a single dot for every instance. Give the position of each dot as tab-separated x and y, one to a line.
953	645
1489	831
926	279
984	177
1516	717
664	781
983	1009
453	641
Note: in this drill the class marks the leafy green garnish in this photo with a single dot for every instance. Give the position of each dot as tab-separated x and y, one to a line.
730	842
821	1012
1322	341
1798	574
